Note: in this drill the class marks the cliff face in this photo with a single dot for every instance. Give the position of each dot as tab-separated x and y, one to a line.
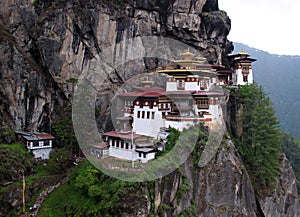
220	188
43	45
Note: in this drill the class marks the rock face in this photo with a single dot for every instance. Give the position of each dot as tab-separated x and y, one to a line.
43	43
221	188
282	200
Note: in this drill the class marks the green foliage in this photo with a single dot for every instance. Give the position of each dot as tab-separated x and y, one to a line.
291	147
90	193
14	158
59	161
163	208
7	135
189	212
64	132
202	140
261	139
182	188
283	87
72	80
172	139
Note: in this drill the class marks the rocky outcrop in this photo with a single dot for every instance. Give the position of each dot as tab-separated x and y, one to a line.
221	188
283	201
44	44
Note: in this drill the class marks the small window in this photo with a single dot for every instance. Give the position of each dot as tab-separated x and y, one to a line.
143	114
180	84
245	78
139	114
151	105
153	115
148	115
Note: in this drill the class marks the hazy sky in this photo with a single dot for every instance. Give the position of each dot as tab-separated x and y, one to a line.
272	26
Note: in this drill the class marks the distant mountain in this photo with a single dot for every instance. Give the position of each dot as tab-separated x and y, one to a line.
280	77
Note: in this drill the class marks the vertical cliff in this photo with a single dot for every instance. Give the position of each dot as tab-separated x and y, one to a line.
43	43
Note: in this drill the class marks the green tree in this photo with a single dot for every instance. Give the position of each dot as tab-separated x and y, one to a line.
64	132
291	147
261	139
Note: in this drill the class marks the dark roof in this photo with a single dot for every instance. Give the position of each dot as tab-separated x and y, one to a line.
145	150
22	133
100	145
167	93
44	136
35	136
31	138
225	71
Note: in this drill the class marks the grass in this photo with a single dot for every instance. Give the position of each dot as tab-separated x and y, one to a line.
61	201
13	147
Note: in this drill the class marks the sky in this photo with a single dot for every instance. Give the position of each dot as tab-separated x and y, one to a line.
268	25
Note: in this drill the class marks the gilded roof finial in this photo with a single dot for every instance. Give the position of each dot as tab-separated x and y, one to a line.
187	54
243	52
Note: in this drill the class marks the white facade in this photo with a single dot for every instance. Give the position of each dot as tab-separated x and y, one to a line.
39	144
123	150
189	83
178	125
240	77
147	121
43	153
145	157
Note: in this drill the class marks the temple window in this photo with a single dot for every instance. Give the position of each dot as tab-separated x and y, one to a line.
203	103
203	84
180	84
245	78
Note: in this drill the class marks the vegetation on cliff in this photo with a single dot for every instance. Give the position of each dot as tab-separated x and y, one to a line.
260	143
291	147
92	193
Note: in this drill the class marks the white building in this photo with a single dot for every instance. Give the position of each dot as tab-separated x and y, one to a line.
241	70
40	144
187	99
130	146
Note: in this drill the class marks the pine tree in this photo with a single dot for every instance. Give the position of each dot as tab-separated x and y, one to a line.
261	140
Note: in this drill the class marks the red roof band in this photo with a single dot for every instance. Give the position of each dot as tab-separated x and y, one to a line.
126	136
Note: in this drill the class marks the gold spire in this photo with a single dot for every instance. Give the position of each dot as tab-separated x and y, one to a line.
147	82
187	54
243	52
